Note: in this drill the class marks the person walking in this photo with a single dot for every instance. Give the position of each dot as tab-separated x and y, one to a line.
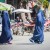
38	36
6	36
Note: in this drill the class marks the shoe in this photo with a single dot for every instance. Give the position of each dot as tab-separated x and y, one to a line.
38	42
31	40
9	43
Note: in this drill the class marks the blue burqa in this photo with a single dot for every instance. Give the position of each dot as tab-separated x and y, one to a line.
38	35
6	32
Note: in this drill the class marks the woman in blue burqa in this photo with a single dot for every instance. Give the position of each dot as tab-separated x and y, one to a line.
6	36
38	36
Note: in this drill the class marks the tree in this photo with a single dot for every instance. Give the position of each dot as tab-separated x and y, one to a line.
45	4
41	1
24	3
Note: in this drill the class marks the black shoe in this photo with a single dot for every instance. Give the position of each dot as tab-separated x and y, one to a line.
38	42
31	40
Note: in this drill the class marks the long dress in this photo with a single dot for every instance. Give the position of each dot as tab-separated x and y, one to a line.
6	32
38	35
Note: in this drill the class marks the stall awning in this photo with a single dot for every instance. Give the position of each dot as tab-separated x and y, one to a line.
2	0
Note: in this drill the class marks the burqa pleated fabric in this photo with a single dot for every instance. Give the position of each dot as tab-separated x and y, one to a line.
38	35
6	32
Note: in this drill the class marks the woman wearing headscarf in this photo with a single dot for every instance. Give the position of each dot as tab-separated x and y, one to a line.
38	36
6	36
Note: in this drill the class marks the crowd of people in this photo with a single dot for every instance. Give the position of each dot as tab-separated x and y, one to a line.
37	17
38	36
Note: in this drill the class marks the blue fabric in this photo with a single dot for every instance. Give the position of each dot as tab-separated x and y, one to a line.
6	32
39	27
